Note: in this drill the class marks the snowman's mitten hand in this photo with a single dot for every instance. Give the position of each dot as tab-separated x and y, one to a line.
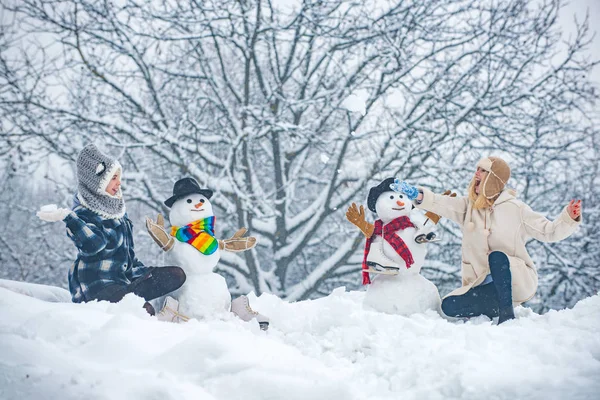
435	218
240	233
50	213
238	242
159	234
357	218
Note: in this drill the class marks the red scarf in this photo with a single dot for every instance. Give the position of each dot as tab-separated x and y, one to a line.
389	235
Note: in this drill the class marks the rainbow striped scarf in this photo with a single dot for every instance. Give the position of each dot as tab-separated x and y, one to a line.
200	234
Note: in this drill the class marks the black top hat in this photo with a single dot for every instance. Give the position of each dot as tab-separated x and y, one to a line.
186	186
376	191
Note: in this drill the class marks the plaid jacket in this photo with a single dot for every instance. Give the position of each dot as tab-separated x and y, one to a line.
105	253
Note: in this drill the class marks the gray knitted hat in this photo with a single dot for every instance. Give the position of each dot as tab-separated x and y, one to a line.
94	172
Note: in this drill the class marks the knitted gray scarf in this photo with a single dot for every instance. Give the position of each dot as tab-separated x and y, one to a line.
94	172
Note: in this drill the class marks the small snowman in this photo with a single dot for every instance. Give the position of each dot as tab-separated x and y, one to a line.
197	251
395	251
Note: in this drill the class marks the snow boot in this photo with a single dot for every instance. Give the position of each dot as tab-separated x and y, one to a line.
480	300
149	309
170	311
502	281
241	308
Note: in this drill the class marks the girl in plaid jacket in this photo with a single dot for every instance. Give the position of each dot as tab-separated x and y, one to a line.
106	267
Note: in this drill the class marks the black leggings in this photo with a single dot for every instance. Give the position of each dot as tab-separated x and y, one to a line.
491	299
157	282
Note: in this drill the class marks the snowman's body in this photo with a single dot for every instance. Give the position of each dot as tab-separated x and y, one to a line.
204	292
408	292
383	252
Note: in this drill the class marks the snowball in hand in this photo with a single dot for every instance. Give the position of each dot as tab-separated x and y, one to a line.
51	213
48	208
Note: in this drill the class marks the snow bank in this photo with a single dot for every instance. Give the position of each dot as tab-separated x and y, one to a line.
329	348
48	293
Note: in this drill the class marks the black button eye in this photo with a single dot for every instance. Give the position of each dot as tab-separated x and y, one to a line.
401	196
189	201
392	197
201	200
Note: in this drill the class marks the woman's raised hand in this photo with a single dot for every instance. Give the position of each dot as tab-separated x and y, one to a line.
574	209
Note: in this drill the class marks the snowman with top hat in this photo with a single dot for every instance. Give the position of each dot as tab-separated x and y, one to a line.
395	251
194	246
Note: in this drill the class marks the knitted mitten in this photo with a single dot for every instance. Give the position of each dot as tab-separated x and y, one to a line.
502	280
409	190
357	217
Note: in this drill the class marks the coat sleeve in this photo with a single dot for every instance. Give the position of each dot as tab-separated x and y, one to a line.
542	229
454	208
136	261
90	238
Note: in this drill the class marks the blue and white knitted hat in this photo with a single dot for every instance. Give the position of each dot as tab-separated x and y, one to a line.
94	172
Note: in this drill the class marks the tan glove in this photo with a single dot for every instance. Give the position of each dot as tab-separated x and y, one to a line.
159	234
434	217
357	217
238	242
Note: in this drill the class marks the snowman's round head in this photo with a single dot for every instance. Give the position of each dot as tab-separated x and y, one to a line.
391	205
190	208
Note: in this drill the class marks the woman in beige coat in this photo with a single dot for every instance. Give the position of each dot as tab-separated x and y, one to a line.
497	272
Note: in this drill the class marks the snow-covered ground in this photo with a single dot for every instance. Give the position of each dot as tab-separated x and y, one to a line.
331	348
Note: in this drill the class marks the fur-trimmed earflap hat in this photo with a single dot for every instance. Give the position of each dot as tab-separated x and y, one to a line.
497	177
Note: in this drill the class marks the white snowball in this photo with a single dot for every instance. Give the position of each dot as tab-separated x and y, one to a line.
48	208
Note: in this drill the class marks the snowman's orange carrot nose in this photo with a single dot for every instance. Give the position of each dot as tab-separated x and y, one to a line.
401	204
198	205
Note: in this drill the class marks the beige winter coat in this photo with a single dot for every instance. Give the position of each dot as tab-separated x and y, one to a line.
505	227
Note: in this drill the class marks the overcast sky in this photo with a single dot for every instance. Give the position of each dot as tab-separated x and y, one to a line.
578	8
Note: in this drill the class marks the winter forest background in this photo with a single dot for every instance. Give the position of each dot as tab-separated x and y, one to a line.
290	110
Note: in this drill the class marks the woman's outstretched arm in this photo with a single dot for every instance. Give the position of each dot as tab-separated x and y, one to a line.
454	208
542	229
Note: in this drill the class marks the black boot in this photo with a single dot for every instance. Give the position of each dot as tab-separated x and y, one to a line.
480	300
149	309
500	270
